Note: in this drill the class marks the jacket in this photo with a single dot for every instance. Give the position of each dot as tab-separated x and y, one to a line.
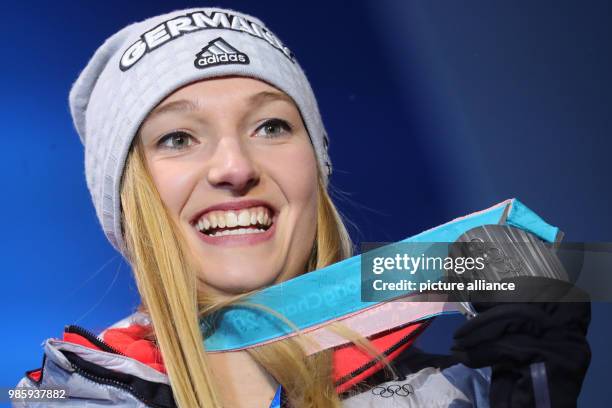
510	355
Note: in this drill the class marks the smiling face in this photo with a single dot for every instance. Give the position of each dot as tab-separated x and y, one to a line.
233	164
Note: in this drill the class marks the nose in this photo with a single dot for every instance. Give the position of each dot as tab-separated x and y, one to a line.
232	167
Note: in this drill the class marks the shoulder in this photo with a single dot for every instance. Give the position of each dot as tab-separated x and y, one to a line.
118	367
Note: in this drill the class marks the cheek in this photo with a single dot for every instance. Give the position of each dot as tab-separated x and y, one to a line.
174	183
296	173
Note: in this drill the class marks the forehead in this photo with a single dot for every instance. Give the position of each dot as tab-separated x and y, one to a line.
220	92
225	87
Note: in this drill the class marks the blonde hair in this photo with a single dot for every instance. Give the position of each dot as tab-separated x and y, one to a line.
167	282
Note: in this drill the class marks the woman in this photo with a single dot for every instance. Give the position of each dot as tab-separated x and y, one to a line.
207	163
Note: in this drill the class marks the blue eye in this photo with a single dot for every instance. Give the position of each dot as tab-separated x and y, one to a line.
273	128
176	141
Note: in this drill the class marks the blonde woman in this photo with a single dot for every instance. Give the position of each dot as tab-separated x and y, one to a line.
206	159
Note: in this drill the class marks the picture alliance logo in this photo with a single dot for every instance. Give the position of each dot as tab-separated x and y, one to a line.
219	52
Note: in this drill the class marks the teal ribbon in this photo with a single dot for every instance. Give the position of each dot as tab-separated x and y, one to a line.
335	291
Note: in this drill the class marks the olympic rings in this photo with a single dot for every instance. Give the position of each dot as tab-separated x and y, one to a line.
394	389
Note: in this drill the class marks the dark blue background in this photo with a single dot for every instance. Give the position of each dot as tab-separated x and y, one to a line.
434	109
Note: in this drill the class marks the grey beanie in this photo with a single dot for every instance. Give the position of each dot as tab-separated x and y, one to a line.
140	65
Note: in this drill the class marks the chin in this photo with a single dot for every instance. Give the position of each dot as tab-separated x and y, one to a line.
237	283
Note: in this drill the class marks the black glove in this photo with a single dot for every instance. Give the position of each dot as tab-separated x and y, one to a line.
512	338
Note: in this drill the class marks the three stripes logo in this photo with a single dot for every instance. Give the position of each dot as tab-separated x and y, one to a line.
219	52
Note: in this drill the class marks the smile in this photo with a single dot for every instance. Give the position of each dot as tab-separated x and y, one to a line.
243	223
254	220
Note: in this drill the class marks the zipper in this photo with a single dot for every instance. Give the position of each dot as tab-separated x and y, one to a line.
92	338
386	353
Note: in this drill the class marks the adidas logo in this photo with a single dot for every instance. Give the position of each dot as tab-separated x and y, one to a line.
219	52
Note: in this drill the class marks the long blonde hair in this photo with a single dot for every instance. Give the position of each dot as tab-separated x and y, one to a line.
167	282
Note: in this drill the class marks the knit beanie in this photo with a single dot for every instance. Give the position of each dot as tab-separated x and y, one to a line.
139	66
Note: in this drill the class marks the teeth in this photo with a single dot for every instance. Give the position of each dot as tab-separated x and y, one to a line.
244	218
231	219
222	221
213	220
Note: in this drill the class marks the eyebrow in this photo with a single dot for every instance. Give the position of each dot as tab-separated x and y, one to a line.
186	105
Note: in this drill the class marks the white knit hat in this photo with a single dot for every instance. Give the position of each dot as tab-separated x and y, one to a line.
140	65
